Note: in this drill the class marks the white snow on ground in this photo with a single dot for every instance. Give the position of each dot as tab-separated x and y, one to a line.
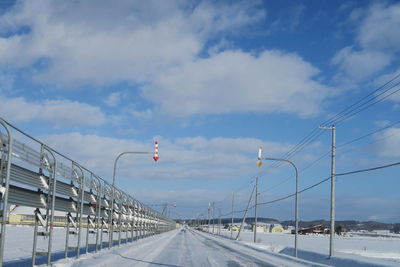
193	248
19	243
375	251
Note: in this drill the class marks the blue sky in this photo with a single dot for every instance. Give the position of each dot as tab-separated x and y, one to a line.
211	81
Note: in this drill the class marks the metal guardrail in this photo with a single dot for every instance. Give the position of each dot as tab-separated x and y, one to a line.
49	181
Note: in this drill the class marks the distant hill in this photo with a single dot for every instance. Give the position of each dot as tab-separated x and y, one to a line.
349	224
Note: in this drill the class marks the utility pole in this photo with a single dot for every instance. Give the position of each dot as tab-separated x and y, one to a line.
219	222
208	225
245	213
332	231
233	198
213	215
255	211
331	244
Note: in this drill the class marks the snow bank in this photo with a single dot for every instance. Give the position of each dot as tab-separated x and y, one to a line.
350	251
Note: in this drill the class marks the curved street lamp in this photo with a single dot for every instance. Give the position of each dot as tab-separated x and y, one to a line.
155	157
259	163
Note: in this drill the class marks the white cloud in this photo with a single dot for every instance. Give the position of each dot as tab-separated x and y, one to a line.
184	158
357	65
113	99
145	114
6	82
127	131
193	202
389	143
236	81
289	19
57	112
383	79
197	199
380	29
214	18
182	197
381	123
95	42
232	145
378	41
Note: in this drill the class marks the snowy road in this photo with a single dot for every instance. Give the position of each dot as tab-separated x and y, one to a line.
185	247
199	250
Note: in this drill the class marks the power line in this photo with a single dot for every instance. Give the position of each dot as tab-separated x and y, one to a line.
312	136
375	141
245	185
369	134
338	147
369	169
239	189
189	207
238	211
354	111
341	113
303	169
328	178
346	113
350	111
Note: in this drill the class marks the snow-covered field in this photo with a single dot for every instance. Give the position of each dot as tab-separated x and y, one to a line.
349	250
192	248
19	244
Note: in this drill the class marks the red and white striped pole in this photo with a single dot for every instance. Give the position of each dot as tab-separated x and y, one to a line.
156	157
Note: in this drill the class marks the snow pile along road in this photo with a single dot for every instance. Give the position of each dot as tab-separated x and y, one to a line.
349	250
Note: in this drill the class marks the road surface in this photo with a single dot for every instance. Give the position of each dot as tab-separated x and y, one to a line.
184	248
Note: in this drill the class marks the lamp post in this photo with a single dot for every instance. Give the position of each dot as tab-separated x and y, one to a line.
259	163
155	157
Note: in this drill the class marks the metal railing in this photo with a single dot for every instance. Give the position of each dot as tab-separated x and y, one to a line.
48	181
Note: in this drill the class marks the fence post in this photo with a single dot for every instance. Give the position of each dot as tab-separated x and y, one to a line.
4	194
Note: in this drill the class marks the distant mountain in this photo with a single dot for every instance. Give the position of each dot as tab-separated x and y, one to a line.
349	224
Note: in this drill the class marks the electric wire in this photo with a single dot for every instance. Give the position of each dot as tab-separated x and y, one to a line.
319	183
244	186
300	171
328	178
368	134
346	113
337	147
380	100
334	118
350	111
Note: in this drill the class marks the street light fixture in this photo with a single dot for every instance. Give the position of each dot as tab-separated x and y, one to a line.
259	163
155	157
